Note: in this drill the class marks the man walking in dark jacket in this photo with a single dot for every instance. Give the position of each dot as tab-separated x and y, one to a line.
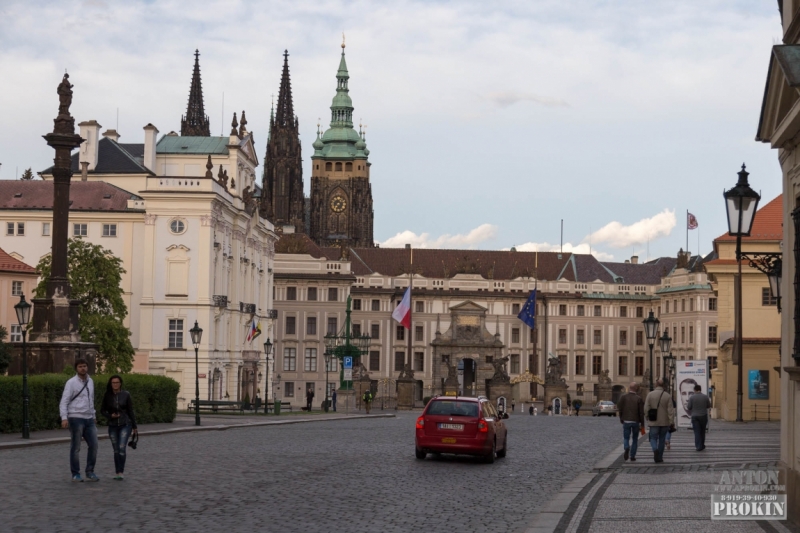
309	398
697	407
631	416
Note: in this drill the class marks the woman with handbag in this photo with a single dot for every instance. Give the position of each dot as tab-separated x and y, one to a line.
117	407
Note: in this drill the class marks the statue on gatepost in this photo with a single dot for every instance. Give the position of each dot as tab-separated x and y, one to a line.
553	375
603	379
500	374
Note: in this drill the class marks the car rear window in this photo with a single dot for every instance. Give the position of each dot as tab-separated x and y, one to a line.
453	408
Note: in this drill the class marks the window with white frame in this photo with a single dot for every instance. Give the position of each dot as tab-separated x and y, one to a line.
80	230
45	229
16	288
9	228
16	333
175	332
109	230
289	359
20	228
310	363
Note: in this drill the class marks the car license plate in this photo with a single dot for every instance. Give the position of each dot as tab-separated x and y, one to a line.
449	440
457	427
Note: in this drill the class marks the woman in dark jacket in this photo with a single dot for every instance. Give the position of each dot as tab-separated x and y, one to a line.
118	409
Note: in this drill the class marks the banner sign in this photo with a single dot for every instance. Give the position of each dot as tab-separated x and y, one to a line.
687	375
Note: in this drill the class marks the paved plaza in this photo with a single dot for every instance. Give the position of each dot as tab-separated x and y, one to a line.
326	476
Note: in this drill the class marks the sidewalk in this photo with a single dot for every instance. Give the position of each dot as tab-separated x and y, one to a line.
620	496
182	423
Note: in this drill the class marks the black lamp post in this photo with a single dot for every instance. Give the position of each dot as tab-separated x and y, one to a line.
665	343
741	204
651	332
197	334
327	372
23	310
267	351
774	278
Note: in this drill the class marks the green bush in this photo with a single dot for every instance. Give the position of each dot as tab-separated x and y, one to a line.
155	399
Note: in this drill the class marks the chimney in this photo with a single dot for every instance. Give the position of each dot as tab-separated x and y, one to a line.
635	259
84	170
90	131
112	134
150	135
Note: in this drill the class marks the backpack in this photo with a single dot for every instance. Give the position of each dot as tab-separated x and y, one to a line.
367	396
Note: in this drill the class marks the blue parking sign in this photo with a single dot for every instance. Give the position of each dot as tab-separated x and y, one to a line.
347	362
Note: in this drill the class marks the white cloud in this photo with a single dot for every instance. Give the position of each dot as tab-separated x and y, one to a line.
616	235
568	248
479	235
509	98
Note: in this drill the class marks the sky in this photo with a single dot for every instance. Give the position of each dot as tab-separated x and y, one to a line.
487	122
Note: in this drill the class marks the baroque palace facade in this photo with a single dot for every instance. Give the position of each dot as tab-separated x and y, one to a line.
182	212
589	315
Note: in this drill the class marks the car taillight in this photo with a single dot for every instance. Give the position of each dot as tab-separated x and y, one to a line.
420	422
483	427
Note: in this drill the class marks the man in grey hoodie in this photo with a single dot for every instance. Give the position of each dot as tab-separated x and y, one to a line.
77	414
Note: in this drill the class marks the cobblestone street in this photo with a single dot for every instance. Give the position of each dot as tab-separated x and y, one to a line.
327	476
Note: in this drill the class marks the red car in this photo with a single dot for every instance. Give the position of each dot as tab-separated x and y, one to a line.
461	425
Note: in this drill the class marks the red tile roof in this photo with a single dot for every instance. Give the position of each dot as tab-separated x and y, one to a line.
12	264
83	195
767	226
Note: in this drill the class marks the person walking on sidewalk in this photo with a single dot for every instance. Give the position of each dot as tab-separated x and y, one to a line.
367	399
117	407
660	417
698	407
631	416
77	414
333	400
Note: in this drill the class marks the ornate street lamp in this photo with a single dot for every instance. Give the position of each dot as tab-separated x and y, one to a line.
328	356
665	343
23	310
651	332
774	277
741	204
344	344
197	334
267	351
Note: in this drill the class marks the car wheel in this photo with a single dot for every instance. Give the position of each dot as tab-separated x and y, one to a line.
489	458
420	453
502	453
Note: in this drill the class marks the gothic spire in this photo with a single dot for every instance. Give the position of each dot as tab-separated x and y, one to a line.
285	115
195	122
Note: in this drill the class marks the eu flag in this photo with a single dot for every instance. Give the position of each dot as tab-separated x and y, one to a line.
528	312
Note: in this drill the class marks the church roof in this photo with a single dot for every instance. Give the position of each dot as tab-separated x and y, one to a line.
83	196
173	144
112	158
10	263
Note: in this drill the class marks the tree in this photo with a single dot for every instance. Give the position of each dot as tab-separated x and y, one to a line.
5	351
27	175
95	275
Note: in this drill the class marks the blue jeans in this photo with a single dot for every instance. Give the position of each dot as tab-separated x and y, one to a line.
119	436
630	429
82	428
658	438
334	403
699	424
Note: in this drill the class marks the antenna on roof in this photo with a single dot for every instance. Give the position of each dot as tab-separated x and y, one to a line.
562	235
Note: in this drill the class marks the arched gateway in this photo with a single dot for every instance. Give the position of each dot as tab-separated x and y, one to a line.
465	356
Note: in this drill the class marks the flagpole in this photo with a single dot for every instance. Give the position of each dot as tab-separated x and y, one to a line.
687	232
410	311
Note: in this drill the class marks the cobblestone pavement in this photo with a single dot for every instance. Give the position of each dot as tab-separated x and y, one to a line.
327	476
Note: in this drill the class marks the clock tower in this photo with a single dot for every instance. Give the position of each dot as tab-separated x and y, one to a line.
341	194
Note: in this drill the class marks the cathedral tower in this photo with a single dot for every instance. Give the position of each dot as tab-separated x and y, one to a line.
284	203
195	122
341	194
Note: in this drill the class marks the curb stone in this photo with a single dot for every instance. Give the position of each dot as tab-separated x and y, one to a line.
218	427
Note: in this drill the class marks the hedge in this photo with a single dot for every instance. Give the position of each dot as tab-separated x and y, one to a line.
155	399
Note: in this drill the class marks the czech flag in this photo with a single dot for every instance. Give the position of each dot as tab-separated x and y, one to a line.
402	312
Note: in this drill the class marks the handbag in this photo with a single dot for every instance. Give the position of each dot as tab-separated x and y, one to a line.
134	441
652	414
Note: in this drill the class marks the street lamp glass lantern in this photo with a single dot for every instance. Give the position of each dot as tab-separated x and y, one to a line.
268	347
741	203
197	333
331	341
775	279
651	328
23	310
665	341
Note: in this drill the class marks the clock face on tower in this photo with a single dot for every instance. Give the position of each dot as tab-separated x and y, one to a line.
338	204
